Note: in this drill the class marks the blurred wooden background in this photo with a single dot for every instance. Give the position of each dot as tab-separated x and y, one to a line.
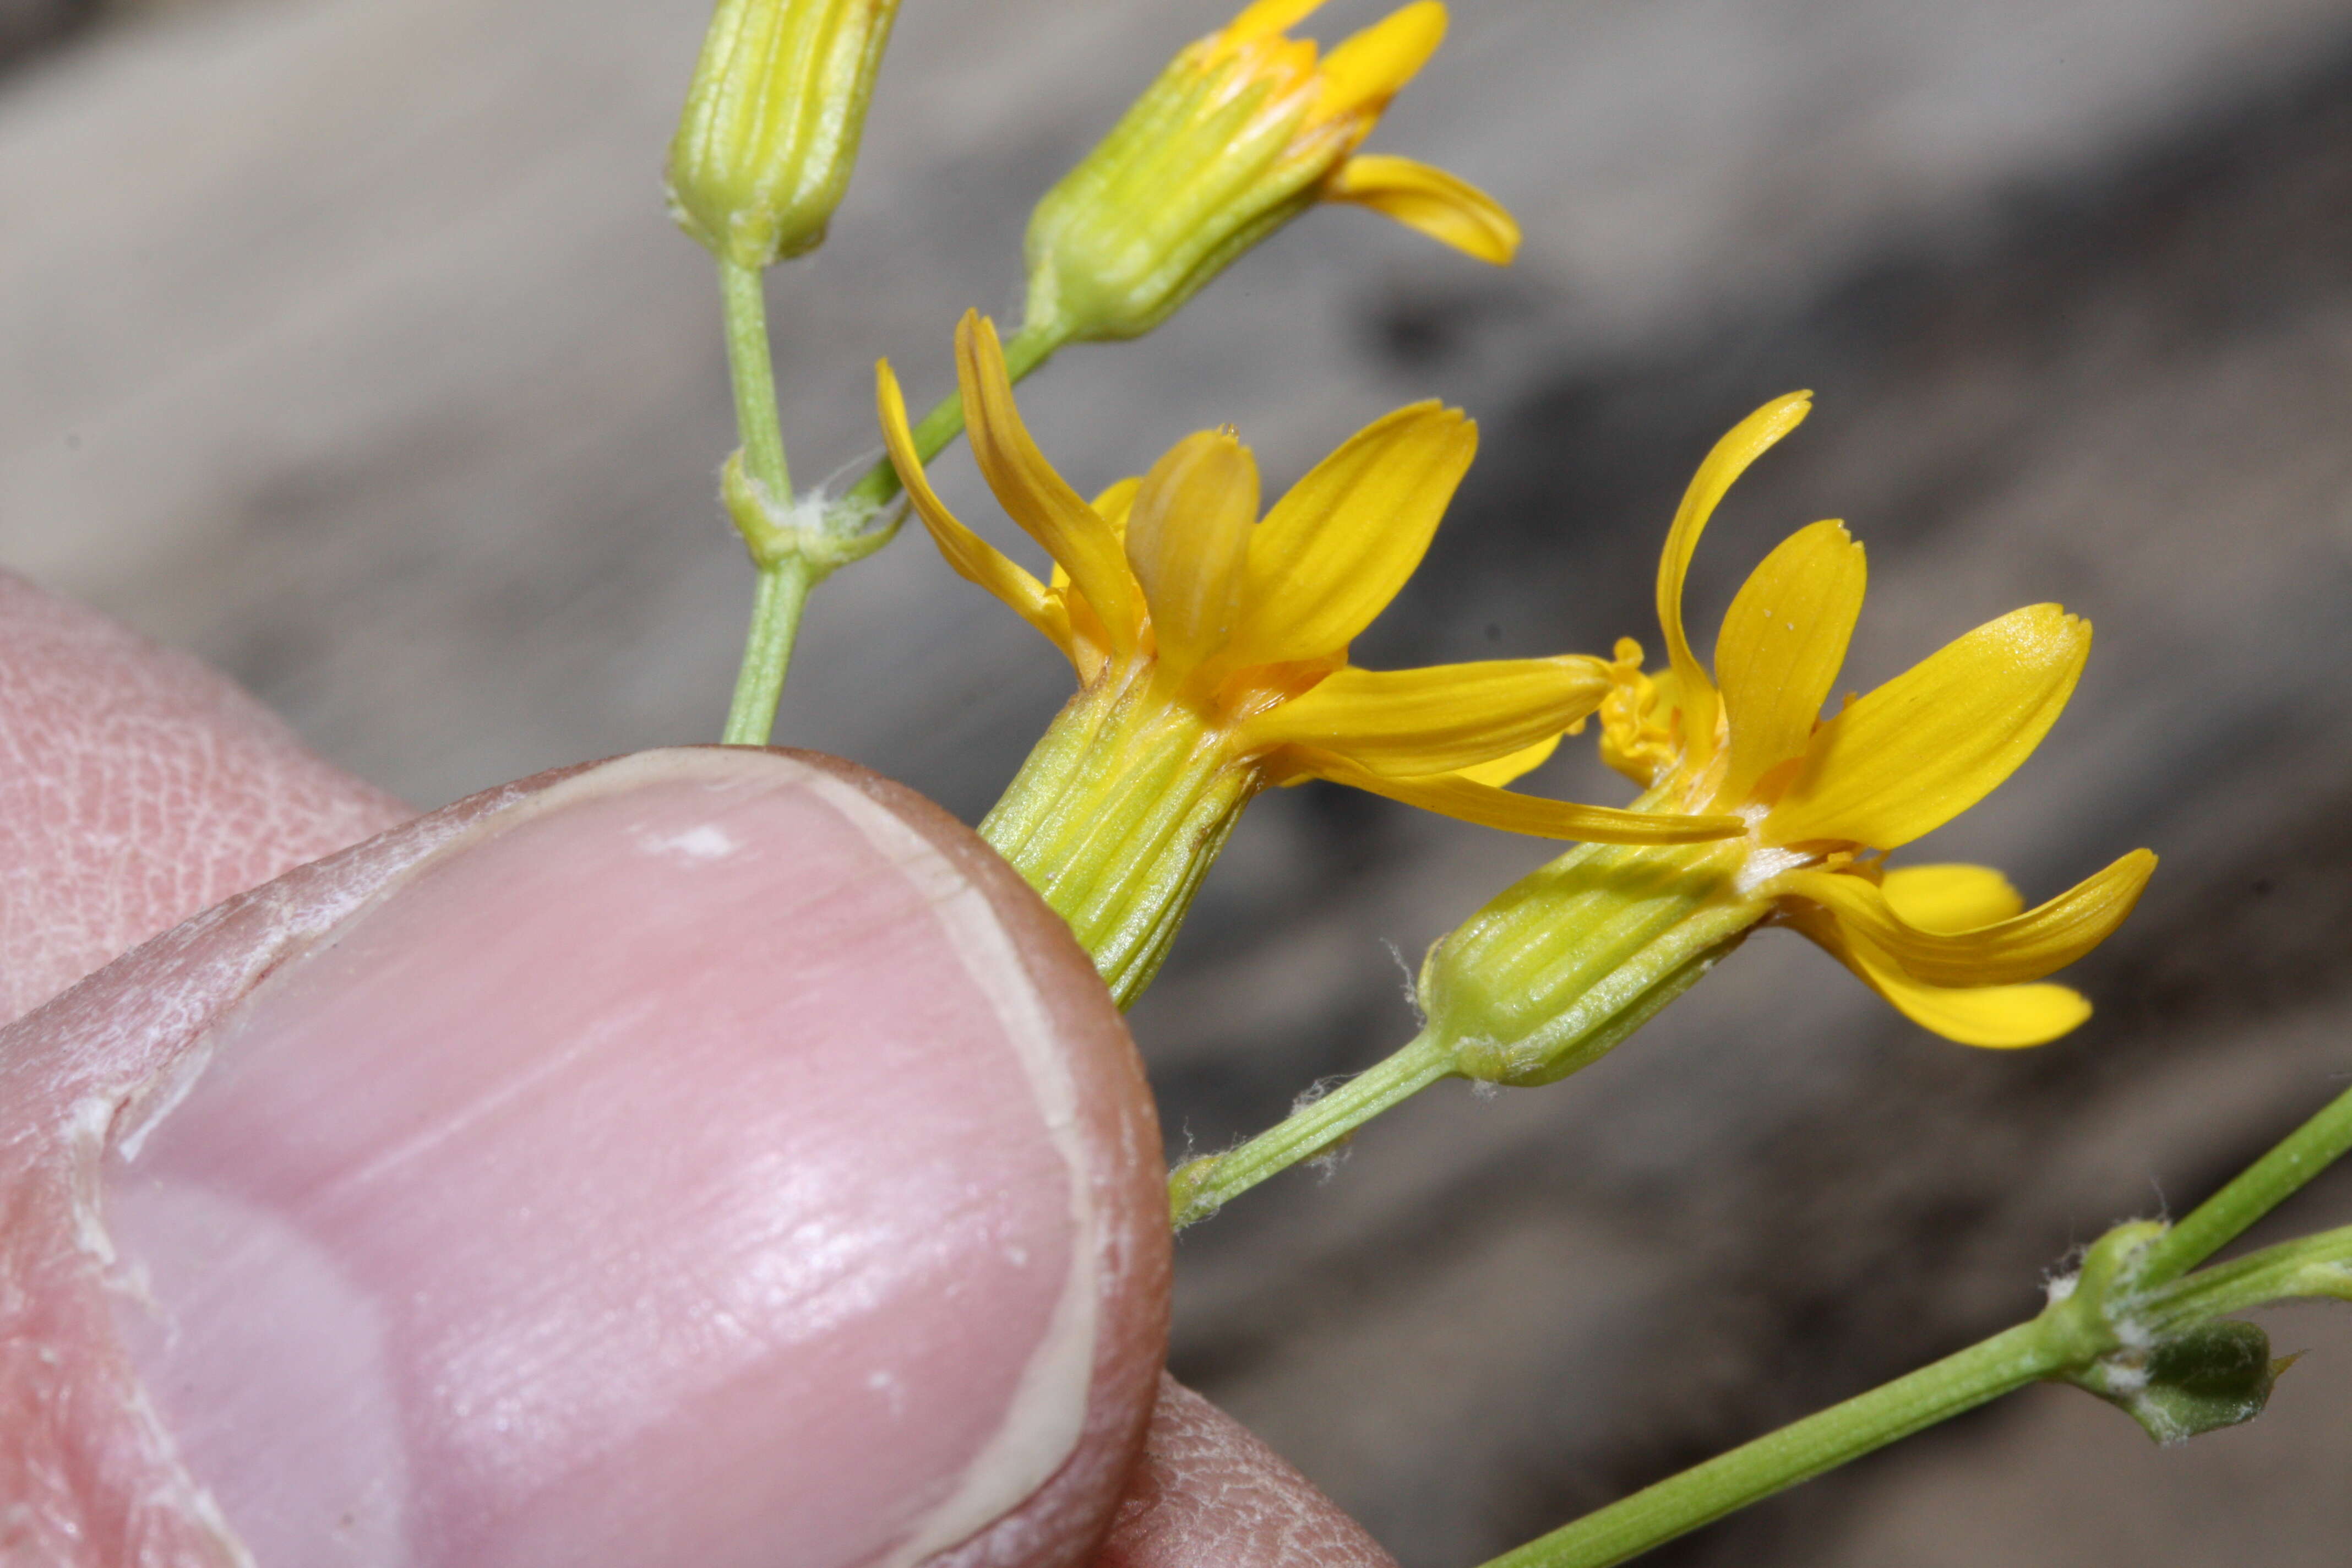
346	344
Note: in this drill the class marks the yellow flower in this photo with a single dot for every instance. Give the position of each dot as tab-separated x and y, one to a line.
773	119
1211	650
1565	965
1244	130
1951	946
1567	962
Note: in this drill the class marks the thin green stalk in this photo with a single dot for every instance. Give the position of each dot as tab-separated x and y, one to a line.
785	581
1029	348
784	584
2135	1276
2308	1266
768	651
2259	1188
1773	1463
750	366
1199	1187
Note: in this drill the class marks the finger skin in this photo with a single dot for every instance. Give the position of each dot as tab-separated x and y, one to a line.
1067	1517
136	788
85	1459
1209	1492
86	1469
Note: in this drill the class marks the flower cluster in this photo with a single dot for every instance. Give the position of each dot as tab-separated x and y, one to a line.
1212	647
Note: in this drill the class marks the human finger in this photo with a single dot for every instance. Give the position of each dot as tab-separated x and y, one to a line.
712	1156
136	788
1209	1494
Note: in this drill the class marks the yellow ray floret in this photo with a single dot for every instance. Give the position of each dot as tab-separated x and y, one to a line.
1344	95
1948	945
1170	589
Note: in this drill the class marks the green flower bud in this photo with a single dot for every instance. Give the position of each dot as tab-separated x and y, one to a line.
770	133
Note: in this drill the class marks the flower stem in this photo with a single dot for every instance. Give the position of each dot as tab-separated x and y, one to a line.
785	581
2120	1283
2259	1188
1197	1188
1031	346
783	593
784	584
2309	1265
1796	1453
750	366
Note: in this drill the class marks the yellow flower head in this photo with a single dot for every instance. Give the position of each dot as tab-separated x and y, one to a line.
1212	647
773	119
1951	946
1244	130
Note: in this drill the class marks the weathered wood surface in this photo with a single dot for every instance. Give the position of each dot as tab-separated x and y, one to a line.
347	346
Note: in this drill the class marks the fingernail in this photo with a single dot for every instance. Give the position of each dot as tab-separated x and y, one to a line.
671	1175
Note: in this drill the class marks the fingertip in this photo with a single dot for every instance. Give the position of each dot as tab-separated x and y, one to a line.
708	1149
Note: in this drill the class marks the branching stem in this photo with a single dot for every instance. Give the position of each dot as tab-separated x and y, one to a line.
2259	1188
2137	1273
1028	348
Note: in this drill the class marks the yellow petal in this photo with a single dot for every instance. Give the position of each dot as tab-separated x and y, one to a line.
1112	506
1997	1018
972	557
2023	947
1749	440
1366	69
1448	209
1503	770
1452	794
1949	898
1116	501
1938	738
1188	539
1338	546
1408	722
1782	643
1033	493
1264	18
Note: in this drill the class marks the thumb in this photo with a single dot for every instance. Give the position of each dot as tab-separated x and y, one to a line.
711	1156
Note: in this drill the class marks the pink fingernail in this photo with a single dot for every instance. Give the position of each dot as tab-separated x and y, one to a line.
593	1198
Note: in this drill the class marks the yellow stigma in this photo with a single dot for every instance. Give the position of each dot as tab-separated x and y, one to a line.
1244	130
770	133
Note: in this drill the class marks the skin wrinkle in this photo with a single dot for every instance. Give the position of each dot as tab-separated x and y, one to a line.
136	788
76	1443
1209	1492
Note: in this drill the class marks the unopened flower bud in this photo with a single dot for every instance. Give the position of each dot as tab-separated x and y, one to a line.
770	133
